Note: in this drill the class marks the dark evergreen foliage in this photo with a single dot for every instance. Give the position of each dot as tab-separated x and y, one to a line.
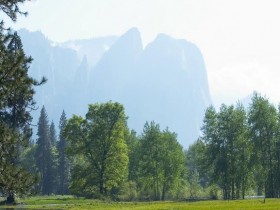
16	102
63	160
11	8
53	137
44	156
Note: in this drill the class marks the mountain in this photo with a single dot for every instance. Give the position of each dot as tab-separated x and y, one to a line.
57	64
66	69
113	75
92	49
165	82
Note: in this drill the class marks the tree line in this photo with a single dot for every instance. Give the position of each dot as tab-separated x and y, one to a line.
238	154
98	156
239	150
46	158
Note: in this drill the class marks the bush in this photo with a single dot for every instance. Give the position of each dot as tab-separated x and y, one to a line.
128	191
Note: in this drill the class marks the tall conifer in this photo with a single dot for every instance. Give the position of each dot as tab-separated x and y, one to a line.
63	161
52	134
16	102
44	157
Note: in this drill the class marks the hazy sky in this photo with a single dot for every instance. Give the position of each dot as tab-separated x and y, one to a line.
239	39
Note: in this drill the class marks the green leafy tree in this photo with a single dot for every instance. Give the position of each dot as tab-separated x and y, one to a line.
210	137
263	131
243	148
173	162
194	185
227	147
149	164
16	102
98	141
195	164
241	153
161	161
277	156
132	142
28	160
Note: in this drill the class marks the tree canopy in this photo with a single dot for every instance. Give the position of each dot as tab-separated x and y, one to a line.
98	144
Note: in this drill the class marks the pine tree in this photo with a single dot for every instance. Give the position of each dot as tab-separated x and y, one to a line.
63	161
52	134
54	156
16	102
44	156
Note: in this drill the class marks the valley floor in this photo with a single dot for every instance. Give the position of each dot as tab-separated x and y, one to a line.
63	202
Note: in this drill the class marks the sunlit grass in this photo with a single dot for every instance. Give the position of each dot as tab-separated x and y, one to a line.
70	202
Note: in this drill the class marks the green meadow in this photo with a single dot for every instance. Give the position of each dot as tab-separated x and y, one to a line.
68	202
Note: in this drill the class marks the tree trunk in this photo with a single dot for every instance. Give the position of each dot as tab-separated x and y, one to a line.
11	199
101	180
101	188
163	192
158	193
155	189
243	188
232	190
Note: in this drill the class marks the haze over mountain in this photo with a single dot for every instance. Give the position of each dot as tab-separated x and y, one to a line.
166	81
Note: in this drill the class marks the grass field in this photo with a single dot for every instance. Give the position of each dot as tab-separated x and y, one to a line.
59	202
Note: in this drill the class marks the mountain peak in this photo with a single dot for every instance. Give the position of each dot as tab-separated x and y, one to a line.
133	31
129	45
163	37
132	37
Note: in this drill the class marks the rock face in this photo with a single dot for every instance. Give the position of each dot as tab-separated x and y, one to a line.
165	82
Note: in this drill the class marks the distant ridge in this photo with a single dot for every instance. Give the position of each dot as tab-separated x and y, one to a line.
166	81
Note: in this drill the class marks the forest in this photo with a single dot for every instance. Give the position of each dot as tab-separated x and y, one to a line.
99	156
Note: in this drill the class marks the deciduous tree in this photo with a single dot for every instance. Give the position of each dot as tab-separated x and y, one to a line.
161	161
99	142
263	130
